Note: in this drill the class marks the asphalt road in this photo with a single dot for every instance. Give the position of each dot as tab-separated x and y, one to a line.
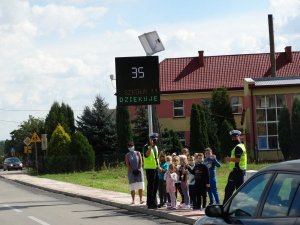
23	205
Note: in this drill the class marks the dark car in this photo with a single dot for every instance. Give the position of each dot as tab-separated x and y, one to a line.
12	163
271	196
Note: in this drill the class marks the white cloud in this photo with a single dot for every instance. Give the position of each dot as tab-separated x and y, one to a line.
284	10
65	19
58	51
13	11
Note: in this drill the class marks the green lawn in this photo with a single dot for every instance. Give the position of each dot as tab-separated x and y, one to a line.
115	179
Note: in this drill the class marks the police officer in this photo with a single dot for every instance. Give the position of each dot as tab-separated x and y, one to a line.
151	165
237	163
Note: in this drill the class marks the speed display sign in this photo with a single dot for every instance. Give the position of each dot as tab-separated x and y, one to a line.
137	80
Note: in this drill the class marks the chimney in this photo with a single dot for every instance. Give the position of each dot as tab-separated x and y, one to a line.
201	58
288	54
272	46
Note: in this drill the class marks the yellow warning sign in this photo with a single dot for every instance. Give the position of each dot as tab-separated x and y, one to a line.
35	138
27	149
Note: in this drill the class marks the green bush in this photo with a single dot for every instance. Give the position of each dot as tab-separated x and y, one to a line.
59	159
60	164
83	152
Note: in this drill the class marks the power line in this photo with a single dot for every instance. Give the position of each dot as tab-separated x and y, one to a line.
31	110
10	121
22	110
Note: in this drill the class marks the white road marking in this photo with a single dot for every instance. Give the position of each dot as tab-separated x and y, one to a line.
38	220
12	208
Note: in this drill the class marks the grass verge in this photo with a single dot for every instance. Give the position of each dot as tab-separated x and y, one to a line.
115	179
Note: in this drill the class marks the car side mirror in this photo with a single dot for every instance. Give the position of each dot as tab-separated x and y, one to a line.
214	211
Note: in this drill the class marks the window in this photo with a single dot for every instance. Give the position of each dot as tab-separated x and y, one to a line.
247	199
282	197
181	137
267	113
178	108
237	105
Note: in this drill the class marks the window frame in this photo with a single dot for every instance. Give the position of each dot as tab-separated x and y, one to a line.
181	137
178	108
265	104
279	191
239	104
270	178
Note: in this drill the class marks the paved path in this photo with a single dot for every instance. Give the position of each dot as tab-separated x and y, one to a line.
120	200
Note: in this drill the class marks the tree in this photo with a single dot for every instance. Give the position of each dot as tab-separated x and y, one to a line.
220	107
170	142
58	158
195	131
26	129
59	143
296	128
68	118
221	114
284	133
60	114
175	143
225	139
97	125
82	151
140	128
124	131
166	144
203	128
212	130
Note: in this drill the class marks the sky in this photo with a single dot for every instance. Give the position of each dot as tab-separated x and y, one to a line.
64	50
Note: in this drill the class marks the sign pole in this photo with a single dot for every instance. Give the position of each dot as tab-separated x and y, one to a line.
35	138
36	161
150	122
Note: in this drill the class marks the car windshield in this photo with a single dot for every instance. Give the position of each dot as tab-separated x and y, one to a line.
14	160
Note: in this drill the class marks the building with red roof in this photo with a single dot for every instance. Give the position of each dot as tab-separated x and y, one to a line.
255	95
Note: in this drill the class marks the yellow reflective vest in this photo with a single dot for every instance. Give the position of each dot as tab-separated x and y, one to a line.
243	159
150	162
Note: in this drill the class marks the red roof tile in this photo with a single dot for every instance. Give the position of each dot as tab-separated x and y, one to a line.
186	74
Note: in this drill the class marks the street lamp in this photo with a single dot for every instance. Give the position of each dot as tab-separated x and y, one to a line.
112	78
151	44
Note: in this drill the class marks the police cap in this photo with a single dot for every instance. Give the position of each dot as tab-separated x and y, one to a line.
235	133
153	135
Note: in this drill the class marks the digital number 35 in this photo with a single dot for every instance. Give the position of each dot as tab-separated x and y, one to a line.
137	72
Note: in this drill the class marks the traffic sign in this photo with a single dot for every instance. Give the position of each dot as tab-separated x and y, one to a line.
27	141
27	149
35	138
137	80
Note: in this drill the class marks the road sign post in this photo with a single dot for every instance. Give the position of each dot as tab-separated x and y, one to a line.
34	139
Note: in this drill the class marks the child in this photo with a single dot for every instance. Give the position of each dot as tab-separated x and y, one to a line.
183	177
176	163
200	171
169	162
170	178
185	151
169	159
191	181
211	162
163	167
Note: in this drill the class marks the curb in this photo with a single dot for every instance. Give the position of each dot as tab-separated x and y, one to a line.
140	209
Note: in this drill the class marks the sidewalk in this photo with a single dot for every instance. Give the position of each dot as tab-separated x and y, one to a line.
120	200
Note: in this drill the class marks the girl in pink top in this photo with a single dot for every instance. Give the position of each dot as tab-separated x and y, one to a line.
171	178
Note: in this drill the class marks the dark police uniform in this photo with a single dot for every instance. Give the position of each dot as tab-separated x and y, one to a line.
237	174
151	165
